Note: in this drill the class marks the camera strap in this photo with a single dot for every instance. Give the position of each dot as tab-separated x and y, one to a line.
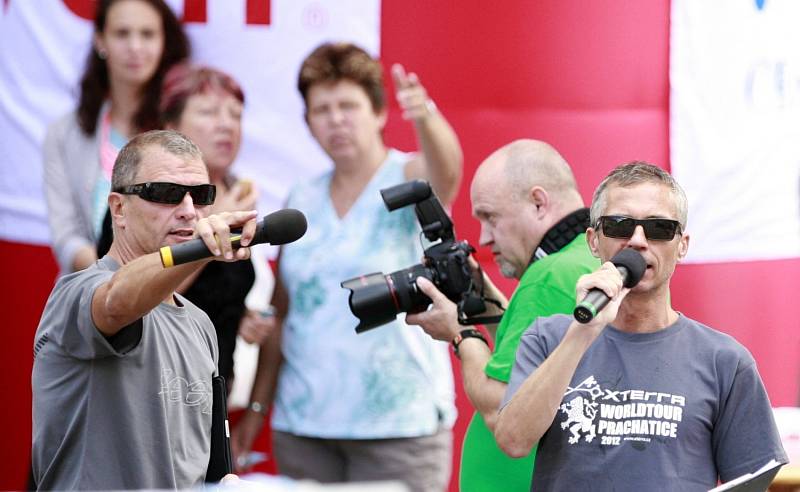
472	304
464	320
562	233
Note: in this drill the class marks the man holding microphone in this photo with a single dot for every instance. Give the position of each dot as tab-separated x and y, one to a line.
122	391
640	397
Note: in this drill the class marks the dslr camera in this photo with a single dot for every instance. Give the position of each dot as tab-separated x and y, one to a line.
376	299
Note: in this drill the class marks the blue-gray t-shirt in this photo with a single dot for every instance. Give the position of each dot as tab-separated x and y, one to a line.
671	410
128	412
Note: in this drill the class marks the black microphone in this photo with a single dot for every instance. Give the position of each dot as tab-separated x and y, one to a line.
281	227
630	265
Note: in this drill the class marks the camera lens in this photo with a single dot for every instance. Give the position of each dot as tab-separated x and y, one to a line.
409	298
372	300
376	299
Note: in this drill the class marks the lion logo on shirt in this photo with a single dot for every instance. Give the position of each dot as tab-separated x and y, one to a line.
581	412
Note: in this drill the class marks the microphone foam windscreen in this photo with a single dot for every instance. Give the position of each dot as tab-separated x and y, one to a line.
284	226
633	262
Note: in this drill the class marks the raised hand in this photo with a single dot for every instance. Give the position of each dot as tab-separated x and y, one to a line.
411	95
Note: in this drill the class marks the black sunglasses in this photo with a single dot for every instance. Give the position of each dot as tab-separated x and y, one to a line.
171	193
623	227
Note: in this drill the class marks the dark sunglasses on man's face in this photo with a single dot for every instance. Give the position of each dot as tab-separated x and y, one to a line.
622	227
171	193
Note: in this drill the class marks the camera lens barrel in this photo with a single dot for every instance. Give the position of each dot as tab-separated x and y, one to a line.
410	298
372	300
376	299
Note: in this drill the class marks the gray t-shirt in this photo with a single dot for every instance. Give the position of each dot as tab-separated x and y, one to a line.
131	411
669	410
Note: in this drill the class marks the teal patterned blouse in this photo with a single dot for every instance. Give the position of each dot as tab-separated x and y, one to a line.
391	381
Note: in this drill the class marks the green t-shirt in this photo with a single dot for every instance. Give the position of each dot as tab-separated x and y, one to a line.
547	287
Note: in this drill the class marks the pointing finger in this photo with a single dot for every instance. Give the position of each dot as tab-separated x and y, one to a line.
399	76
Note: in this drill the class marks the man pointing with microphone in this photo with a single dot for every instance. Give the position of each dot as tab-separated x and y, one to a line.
122	392
639	397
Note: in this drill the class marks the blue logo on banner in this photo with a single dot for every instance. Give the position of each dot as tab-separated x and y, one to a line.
760	4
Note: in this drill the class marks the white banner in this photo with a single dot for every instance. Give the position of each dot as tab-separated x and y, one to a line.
44	45
735	126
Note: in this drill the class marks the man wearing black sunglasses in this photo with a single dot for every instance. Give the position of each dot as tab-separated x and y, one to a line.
122	391
640	397
533	219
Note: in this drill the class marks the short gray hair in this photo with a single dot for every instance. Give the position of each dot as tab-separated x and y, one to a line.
634	173
130	157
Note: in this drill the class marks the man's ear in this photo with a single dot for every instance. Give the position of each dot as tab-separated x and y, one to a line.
683	246
591	240
116	205
539	197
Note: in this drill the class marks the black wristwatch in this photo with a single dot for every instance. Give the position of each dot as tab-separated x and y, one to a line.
469	333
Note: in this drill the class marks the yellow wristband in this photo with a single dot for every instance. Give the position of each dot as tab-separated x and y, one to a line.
166	257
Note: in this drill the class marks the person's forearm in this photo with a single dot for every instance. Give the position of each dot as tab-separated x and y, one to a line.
269	363
493	310
490	291
262	392
269	355
143	283
134	290
483	392
525	419
443	155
